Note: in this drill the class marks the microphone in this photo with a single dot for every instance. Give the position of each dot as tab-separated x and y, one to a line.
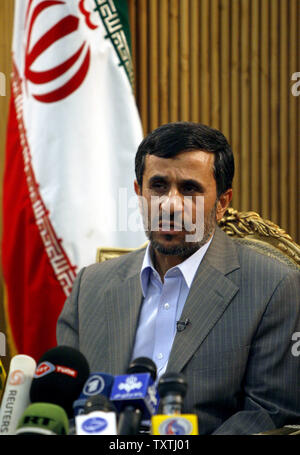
16	394
97	383
59	377
99	417
2	379
172	389
134	395
43	419
181	325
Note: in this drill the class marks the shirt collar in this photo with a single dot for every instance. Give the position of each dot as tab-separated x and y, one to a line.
187	268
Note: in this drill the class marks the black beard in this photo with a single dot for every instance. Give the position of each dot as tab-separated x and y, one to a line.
186	249
182	251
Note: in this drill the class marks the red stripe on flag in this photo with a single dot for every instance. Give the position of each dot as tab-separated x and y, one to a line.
37	283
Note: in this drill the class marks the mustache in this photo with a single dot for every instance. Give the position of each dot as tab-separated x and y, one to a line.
174	222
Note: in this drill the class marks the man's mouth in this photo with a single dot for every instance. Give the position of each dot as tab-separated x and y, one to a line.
170	227
166	225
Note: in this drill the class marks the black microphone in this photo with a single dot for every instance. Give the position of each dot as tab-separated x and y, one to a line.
181	325
172	388
59	377
135	396
143	365
98	403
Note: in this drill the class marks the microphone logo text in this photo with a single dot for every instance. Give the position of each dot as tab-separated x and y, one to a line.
94	385
45	368
17	377
94	425
130	384
175	426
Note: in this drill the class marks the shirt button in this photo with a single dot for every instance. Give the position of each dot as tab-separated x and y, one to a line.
160	356
166	306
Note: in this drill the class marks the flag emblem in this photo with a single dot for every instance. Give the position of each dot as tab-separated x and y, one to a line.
36	48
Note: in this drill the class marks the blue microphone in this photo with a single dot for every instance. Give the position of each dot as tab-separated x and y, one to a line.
96	384
135	396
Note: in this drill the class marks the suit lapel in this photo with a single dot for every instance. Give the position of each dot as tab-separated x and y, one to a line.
210	294
122	303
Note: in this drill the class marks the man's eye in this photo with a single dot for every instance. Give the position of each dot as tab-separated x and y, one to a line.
158	185
189	189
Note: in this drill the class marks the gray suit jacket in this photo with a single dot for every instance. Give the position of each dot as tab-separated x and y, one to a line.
237	352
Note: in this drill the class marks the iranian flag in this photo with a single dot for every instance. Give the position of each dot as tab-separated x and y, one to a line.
73	131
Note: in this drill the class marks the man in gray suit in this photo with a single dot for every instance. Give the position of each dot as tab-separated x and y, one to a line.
194	300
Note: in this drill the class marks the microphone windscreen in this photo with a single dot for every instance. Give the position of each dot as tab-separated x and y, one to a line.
143	365
98	403
59	377
43	419
172	383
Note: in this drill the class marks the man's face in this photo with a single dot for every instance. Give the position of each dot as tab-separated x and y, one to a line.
173	191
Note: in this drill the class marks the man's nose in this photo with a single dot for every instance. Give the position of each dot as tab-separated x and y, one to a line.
172	201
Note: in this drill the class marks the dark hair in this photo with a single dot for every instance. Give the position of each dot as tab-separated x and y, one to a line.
171	139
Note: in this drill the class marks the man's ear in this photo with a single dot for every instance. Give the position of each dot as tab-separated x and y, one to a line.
223	203
137	188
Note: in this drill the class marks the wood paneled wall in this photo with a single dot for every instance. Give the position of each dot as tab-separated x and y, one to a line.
228	64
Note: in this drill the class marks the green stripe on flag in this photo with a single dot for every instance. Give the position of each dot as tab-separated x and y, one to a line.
122	7
114	15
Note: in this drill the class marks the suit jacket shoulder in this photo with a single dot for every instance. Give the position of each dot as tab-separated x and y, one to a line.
227	254
122	267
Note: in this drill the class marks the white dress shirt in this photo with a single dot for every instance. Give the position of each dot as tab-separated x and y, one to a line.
162	307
